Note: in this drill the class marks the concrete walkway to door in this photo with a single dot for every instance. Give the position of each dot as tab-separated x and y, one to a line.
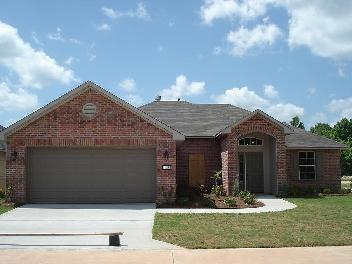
135	220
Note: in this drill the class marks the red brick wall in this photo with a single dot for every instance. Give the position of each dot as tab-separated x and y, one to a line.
212	162
229	149
328	169
112	126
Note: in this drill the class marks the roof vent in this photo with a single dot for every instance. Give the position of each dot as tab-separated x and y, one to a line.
89	110
158	98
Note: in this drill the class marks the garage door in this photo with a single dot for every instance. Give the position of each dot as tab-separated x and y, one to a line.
81	175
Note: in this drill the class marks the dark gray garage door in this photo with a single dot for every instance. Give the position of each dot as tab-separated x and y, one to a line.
97	175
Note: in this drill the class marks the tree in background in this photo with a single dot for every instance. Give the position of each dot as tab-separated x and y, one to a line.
296	122
341	131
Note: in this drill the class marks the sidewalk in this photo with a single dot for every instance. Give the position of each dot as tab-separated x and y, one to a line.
316	255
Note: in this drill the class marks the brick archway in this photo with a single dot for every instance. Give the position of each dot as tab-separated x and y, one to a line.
229	150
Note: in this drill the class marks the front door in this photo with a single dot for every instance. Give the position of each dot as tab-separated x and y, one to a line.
196	170
251	171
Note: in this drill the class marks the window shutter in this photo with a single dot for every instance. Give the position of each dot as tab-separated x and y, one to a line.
319	164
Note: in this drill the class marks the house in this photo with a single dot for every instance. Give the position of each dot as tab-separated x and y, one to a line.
2	162
89	146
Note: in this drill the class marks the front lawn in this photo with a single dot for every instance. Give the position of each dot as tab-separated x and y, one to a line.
5	207
315	222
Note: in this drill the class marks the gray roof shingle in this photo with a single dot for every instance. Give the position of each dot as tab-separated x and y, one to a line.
207	120
195	120
304	139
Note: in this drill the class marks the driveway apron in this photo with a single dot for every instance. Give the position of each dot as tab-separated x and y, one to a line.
134	220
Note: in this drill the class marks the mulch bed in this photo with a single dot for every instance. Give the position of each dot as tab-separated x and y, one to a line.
203	202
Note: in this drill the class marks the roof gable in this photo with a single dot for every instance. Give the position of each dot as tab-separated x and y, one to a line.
286	129
77	91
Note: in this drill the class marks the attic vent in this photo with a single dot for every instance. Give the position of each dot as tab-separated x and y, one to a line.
89	110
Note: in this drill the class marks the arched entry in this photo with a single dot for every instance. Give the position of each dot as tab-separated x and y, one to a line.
256	157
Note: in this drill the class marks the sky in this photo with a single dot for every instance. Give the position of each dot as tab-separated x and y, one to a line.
286	57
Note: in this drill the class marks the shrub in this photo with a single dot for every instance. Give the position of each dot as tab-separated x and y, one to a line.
210	202
182	200
217	190
345	191
247	197
236	187
298	191
230	202
2	194
326	191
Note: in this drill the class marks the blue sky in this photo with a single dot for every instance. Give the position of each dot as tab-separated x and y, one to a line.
286	57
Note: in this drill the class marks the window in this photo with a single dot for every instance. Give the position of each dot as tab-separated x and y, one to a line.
306	163
250	142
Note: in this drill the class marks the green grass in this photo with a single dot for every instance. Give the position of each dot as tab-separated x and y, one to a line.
4	207
315	222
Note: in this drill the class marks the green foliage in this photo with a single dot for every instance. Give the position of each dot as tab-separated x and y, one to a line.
326	191
296	122
2	194
217	190
230	202
236	187
299	191
345	191
247	197
341	131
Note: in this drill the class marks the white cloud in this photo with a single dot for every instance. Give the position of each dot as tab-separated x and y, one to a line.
109	12
242	97
325	27
71	60
248	99
270	91
140	12
57	35
134	99
16	100
36	39
103	27
260	36
341	106
318	117
128	84
34	68
221	9
182	88
285	112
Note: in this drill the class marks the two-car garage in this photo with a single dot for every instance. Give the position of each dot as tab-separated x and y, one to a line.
91	175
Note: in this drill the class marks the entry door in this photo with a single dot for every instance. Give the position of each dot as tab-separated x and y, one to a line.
254	172
196	170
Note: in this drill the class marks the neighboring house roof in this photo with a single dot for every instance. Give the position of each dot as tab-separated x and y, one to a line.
209	120
78	90
2	143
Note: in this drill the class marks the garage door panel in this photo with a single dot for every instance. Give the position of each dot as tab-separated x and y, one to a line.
92	175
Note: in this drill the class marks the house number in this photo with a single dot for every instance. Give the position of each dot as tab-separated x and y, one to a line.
166	167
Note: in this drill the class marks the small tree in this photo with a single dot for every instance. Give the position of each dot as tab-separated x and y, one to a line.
296	122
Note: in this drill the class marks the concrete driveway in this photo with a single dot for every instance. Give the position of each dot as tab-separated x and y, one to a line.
135	220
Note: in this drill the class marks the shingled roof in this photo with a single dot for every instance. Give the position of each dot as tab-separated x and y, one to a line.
207	120
195	120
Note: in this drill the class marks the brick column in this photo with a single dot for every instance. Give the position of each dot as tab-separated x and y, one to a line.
281	164
16	172
229	161
166	179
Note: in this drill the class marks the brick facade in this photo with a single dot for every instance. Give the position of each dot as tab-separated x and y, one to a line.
210	148
327	169
229	150
112	126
